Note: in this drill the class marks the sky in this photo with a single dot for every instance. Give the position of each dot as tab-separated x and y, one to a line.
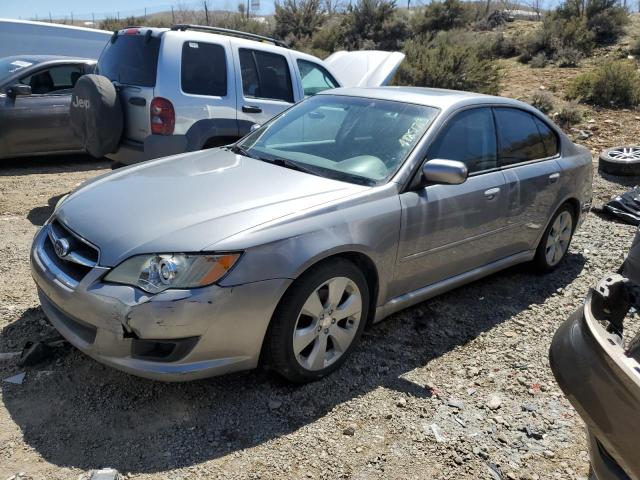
29	9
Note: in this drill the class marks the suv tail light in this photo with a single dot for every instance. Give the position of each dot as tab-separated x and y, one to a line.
163	116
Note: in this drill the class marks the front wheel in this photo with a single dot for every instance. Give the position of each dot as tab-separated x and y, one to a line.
556	239
318	322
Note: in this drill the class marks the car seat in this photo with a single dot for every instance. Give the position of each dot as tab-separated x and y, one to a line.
41	83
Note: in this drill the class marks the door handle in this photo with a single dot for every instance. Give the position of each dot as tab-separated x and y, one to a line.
251	109
553	178
491	193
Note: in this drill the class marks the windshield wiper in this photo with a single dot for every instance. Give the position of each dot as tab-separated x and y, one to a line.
235	148
284	162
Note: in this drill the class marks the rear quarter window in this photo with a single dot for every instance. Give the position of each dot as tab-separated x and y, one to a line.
204	69
131	60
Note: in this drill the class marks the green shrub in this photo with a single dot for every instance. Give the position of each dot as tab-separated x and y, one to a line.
569	115
635	46
542	100
605	19
524	57
555	34
373	24
616	83
539	60
501	46
438	62
297	20
442	15
568	57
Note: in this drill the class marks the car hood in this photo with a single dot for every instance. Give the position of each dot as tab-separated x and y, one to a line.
190	202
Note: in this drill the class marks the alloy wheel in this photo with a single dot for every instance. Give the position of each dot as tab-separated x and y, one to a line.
558	238
327	323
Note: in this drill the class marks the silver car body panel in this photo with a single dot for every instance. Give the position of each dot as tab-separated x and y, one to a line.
419	241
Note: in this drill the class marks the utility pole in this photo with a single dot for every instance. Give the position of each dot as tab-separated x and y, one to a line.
206	11
145	14
93	18
71	18
173	16
50	19
248	8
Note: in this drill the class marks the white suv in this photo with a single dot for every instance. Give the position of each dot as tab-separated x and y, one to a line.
192	87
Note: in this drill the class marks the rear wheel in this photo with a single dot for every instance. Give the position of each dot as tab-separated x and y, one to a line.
319	321
556	240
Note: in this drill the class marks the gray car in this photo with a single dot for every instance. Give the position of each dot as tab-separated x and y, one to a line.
35	96
280	249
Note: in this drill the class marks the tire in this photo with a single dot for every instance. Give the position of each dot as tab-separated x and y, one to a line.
324	339
544	262
622	161
96	115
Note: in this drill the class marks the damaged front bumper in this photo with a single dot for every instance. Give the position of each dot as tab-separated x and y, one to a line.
602	382
173	336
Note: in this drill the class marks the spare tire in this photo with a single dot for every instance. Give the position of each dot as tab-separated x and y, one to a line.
96	115
621	160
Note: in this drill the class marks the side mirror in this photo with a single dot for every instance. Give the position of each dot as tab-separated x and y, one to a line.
254	127
448	172
18	90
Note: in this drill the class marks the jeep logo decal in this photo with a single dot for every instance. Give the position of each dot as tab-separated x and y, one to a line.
81	103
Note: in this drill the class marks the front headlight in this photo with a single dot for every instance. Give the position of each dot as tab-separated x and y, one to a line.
158	272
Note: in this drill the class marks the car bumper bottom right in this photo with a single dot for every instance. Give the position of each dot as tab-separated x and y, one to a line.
605	394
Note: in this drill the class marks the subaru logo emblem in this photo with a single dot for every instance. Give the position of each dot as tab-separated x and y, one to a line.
61	246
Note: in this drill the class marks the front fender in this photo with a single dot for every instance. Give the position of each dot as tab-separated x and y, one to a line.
288	248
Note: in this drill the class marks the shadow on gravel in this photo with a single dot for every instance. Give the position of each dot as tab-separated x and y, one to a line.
84	415
51	164
39	215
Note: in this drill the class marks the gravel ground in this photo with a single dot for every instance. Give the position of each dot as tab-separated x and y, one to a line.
456	387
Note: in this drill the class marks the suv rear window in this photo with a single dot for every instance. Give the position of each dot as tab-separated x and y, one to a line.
204	69
131	60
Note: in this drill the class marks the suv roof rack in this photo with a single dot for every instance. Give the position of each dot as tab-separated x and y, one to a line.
226	31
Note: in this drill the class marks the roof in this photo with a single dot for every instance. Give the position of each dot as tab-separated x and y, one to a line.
432	97
45	58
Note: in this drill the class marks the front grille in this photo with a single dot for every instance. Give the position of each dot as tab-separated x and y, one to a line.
75	257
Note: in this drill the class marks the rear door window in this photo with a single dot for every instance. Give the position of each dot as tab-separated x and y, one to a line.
549	138
131	60
470	138
204	69
265	75
518	137
315	78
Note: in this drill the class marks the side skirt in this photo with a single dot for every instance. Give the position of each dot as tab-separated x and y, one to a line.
412	298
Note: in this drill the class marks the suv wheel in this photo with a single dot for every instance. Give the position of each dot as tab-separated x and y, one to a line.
556	240
319	321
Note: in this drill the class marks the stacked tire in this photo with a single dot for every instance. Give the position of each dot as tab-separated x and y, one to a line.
623	160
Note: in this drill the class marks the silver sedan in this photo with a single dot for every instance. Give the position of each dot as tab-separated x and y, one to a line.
283	247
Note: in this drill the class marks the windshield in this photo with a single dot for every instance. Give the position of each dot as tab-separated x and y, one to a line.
354	139
131	60
10	65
